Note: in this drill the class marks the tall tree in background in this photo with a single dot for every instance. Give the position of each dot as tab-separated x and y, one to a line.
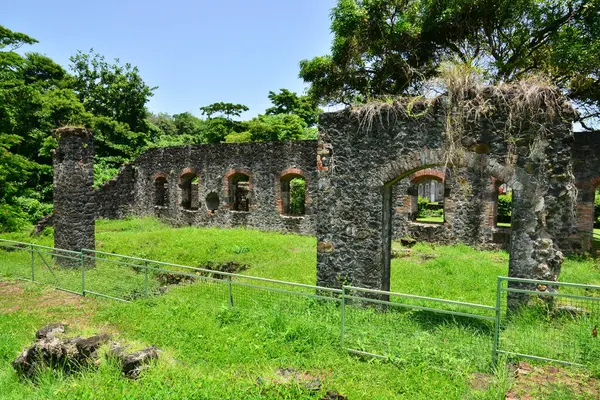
287	102
218	127
34	100
116	95
389	47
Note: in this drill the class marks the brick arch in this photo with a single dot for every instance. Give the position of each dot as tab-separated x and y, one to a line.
427	174
160	175
428	159
590	184
187	171
287	175
231	173
294	172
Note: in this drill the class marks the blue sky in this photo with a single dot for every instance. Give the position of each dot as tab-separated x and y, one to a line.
196	52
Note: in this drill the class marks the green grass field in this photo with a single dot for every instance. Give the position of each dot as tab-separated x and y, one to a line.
212	351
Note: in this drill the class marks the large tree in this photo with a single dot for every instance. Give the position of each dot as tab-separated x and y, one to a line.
389	47
287	102
116	95
34	100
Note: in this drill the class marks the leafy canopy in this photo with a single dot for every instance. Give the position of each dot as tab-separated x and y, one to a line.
390	47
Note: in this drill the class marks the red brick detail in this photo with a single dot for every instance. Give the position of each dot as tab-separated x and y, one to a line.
186	171
591	184
231	173
292	171
159	175
428	173
289	174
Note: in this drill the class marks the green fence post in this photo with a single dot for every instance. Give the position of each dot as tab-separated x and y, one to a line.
230	291
497	324
82	273
32	263
146	278
343	321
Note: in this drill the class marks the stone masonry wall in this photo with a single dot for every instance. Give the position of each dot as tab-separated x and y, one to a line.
366	159
74	200
209	172
586	166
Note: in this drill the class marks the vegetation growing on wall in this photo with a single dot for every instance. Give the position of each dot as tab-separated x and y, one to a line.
392	47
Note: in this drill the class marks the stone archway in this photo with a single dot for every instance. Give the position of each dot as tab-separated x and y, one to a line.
415	166
375	146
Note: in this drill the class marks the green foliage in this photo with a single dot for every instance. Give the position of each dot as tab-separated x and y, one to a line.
113	91
297	196
390	47
265	128
229	110
240	352
103	172
286	102
505	207
425	209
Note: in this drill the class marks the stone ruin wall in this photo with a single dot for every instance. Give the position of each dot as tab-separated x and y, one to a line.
586	166
74	199
470	199
213	169
360	191
357	198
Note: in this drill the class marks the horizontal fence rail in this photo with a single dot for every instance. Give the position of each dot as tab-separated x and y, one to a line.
395	326
554	322
558	322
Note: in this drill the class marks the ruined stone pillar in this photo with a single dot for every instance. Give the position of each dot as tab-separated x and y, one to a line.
74	204
543	218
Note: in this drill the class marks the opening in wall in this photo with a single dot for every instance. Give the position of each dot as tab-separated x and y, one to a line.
161	191
293	195
212	202
239	192
428	194
504	206
189	191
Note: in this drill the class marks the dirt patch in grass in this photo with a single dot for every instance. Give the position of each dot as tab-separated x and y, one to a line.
539	382
14	297
479	381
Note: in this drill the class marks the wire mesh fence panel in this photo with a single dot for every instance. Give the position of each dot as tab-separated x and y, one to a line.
549	321
415	329
15	260
58	268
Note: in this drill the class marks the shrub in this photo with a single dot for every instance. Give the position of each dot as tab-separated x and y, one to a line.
428	210
505	207
12	218
297	196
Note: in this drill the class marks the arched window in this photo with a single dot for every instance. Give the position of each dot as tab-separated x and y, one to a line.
161	191
293	194
427	193
188	183
239	192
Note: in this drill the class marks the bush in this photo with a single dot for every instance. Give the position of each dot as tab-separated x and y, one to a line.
505	207
12	218
428	210
297	196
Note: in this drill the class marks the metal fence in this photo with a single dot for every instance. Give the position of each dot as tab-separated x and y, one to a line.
557	321
558	324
